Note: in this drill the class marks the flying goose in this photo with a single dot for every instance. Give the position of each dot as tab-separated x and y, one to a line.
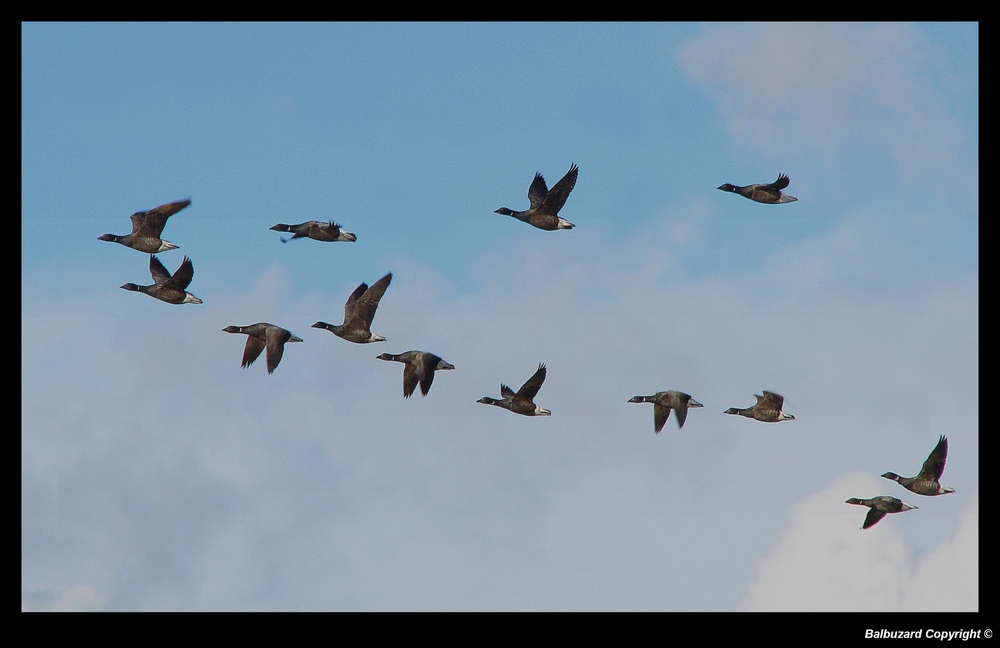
522	401
171	289
767	409
420	367
665	401
263	335
359	311
771	194
545	204
146	229
926	483
317	230
879	507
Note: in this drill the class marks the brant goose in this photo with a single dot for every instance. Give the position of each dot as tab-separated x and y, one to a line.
771	194
359	311
665	401
521	402
879	507
171	289
315	230
420	367
926	483
261	335
767	409
146	229
545	204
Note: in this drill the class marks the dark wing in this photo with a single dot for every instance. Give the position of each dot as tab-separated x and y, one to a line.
252	350
427	362
773	194
530	388
182	278
160	273
660	414
778	184
323	231
352	300
874	515
506	391
276	338
410	379
773	400
933	468
681	410
557	197
889	504
333	229
137	219
157	217
537	191
364	307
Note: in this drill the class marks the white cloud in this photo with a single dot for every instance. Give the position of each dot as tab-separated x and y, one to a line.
61	598
826	562
792	90
947	579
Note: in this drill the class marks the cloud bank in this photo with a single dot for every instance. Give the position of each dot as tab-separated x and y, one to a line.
824	564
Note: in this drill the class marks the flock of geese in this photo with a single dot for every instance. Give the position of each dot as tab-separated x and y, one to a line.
420	366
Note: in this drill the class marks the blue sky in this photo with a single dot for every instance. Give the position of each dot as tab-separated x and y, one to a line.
159	475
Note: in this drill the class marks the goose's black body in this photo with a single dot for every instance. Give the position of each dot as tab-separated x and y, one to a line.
770	194
260	336
147	227
316	230
665	401
767	409
521	402
166	287
420	368
927	482
359	311
880	507
543	211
